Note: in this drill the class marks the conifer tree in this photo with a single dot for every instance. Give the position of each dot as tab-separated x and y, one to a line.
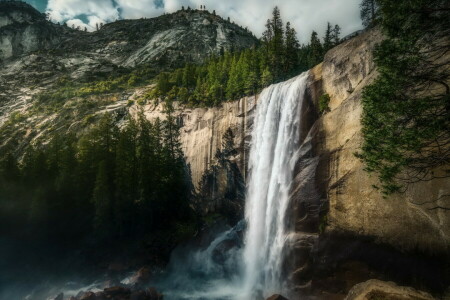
316	51
369	12
336	35
328	38
102	199
292	48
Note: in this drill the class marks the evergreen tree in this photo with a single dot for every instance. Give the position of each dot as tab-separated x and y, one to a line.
102	199
336	35
126	178
276	46
266	77
328	40
369	12
406	110
292	48
316	51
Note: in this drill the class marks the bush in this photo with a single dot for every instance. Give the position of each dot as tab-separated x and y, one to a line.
324	102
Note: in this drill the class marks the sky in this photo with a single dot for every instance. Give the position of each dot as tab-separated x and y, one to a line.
304	15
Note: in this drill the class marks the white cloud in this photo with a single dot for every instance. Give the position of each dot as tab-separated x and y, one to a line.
134	9
75	23
71	11
304	15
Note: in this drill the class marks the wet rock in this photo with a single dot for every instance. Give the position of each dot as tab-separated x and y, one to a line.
276	297
138	295
88	296
141	277
59	297
100	296
117	291
110	283
152	294
377	289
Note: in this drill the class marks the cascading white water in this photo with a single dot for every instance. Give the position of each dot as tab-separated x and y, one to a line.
275	140
224	270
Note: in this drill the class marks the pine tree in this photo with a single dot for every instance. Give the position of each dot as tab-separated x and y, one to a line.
292	48
277	44
336	35
126	177
316	51
369	12
266	77
328	38
102	199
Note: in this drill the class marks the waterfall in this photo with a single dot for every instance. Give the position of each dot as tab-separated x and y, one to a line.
275	141
231	267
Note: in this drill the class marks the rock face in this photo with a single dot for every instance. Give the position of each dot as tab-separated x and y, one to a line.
276	297
23	30
343	230
168	40
354	205
203	129
36	55
376	289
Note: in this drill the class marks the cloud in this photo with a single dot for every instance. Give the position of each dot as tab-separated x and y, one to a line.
304	15
72	11
134	9
78	23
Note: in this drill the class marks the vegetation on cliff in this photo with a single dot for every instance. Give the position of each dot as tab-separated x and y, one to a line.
237	74
405	120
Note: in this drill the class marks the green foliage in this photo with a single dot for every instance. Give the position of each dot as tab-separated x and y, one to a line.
405	111
110	183
66	89
369	12
324	102
323	224
237	74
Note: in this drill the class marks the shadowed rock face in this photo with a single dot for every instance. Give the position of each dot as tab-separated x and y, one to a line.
354	205
343	231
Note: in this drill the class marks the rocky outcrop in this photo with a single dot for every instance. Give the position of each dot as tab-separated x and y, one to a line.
376	289
344	231
408	220
203	129
120	293
24	30
166	41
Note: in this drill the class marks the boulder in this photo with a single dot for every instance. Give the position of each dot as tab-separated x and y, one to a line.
377	289
59	297
138	295
117	291
152	294
276	297
88	296
141	277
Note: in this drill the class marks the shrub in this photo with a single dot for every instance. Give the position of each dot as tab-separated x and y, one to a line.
324	102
